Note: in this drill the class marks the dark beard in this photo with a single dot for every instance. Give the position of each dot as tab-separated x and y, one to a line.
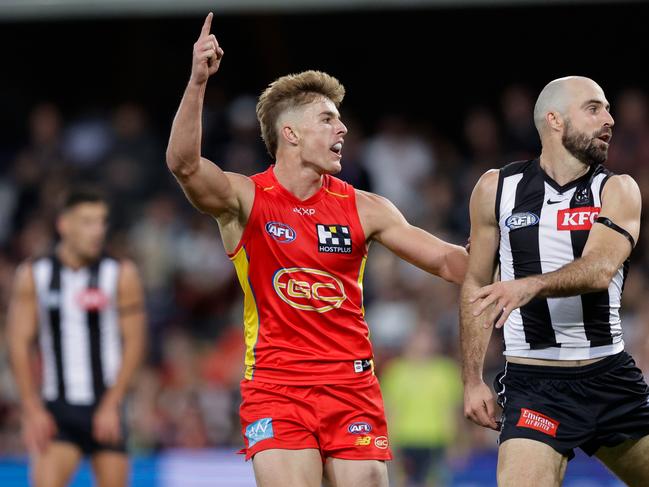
582	146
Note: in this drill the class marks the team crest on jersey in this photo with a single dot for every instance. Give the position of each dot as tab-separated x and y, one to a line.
582	196
577	218
521	220
309	289
334	239
281	232
92	299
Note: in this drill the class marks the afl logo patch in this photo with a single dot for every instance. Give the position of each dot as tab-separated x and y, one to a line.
280	232
359	428
521	220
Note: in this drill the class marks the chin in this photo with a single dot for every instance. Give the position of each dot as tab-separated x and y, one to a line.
334	168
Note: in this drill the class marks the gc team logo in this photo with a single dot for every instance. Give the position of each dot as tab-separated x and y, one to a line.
521	220
280	232
381	442
309	289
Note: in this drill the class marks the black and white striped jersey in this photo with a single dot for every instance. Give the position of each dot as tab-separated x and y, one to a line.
79	332
544	226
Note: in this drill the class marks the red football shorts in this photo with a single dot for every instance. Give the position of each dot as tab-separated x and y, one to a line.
344	421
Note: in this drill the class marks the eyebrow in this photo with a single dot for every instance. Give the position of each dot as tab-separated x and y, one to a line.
596	102
329	113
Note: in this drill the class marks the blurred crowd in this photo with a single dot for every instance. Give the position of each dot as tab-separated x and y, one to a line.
186	395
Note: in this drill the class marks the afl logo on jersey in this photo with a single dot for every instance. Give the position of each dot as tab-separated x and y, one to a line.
280	232
309	289
92	299
521	220
359	428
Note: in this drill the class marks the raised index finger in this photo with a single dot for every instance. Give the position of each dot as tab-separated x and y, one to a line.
207	25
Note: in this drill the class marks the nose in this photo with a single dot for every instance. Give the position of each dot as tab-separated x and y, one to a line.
342	129
608	119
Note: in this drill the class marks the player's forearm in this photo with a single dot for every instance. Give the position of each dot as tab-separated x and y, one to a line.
184	148
132	355
28	395
585	275
474	338
456	261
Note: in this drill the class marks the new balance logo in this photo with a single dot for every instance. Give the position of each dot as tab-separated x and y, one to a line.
334	239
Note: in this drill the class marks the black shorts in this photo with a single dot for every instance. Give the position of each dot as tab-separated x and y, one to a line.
601	404
74	425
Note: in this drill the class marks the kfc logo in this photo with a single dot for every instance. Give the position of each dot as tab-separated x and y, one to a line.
577	218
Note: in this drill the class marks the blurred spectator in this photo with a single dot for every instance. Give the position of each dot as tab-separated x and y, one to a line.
629	153
423	396
520	138
398	161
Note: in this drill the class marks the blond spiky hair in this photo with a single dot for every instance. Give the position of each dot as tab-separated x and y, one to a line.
289	92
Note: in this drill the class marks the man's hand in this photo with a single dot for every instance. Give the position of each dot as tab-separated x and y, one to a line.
479	405
106	424
207	54
38	428
505	296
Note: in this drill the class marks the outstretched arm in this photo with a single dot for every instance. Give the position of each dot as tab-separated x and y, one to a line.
383	222
605	251
209	189
479	404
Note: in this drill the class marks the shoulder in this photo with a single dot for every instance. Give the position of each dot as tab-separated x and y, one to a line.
372	202
487	185
376	213
518	167
24	276
128	269
261	179
620	186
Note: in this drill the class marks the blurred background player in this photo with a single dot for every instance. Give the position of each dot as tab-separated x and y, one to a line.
86	311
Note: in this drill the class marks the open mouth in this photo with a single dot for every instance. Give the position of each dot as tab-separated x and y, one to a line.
606	137
337	148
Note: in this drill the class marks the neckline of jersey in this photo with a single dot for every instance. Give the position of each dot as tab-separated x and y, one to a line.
314	198
562	189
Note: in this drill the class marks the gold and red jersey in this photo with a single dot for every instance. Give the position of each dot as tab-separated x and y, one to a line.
300	265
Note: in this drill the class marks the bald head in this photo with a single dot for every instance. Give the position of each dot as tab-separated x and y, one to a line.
557	96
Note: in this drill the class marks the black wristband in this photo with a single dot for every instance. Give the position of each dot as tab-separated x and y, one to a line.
606	221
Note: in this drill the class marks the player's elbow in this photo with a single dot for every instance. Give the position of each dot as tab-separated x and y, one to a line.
180	166
603	279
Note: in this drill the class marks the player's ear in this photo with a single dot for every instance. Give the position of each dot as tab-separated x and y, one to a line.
289	135
554	120
62	224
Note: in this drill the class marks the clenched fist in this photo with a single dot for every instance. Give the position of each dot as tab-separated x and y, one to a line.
207	54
